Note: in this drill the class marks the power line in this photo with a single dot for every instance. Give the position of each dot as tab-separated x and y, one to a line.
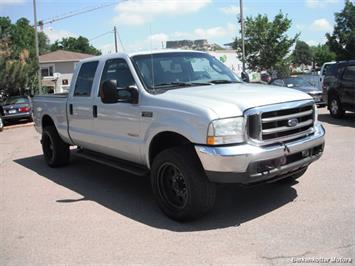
77	12
100	35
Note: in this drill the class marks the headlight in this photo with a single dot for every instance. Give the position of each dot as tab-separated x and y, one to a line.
226	131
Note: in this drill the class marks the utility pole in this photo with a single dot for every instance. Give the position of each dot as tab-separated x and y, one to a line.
242	30
37	48
115	35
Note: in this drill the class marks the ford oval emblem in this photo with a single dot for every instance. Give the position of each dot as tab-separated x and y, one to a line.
292	122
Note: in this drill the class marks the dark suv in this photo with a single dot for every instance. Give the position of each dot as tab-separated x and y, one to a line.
339	88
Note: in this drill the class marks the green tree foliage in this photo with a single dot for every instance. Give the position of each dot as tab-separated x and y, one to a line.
266	42
302	54
322	54
80	45
18	62
342	40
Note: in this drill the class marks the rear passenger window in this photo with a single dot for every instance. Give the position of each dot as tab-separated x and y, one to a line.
85	79
349	73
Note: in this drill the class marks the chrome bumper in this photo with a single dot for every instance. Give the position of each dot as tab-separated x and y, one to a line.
247	163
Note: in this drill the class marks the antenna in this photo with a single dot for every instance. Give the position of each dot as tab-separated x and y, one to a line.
151	53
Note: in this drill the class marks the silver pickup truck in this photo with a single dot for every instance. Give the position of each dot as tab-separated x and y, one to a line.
184	118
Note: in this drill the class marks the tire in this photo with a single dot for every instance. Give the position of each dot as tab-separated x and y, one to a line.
56	152
335	108
180	185
292	178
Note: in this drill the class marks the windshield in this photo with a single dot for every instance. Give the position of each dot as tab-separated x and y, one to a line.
297	82
181	69
16	100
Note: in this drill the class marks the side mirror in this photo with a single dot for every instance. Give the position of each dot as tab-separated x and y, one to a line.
108	91
128	95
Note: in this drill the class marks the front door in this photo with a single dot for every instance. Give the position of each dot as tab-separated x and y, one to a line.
348	86
117	125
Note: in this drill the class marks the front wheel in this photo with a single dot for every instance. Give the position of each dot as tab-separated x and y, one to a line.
56	152
335	107
180	184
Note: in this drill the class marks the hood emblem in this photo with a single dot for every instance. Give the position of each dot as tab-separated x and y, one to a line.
292	122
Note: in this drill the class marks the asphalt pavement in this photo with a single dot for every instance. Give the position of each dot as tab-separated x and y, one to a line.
86	213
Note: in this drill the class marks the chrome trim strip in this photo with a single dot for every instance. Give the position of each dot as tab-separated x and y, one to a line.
283	129
284	117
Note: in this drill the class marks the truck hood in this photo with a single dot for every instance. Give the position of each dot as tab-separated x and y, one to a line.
228	100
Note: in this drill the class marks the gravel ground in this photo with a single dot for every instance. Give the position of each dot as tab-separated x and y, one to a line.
87	213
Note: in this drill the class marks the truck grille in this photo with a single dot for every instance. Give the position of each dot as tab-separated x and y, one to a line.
279	123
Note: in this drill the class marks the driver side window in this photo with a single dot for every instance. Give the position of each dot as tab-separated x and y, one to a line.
118	70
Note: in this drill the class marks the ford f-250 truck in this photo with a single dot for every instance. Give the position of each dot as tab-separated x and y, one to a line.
186	119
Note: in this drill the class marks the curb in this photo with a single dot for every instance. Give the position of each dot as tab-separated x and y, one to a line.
18	126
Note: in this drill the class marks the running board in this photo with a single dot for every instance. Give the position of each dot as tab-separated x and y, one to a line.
126	166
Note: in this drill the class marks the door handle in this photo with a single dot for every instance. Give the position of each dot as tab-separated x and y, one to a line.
70	109
94	111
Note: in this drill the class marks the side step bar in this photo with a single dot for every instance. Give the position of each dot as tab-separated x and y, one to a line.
126	166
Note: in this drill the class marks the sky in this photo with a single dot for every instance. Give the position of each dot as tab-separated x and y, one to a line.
145	24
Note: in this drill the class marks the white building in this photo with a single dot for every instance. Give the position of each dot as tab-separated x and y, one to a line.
57	69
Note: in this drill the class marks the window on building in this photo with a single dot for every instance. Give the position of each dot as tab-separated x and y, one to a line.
47	71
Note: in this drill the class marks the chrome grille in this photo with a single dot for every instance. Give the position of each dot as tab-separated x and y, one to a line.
280	122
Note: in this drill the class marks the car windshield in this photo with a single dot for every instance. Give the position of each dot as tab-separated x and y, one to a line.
297	82
16	100
182	69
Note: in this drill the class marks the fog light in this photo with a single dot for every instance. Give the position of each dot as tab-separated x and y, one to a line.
305	153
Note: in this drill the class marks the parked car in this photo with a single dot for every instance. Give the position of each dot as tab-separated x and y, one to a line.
301	85
339	88
16	108
186	119
265	77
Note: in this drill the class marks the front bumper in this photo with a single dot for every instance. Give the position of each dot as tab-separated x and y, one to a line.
248	164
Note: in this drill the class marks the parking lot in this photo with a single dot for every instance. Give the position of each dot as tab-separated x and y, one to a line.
87	213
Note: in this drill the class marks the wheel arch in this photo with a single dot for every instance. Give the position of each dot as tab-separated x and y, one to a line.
165	140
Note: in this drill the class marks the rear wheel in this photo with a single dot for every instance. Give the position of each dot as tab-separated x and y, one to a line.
335	107
56	152
180	185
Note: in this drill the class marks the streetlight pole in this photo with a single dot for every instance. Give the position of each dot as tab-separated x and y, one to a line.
242	30
37	48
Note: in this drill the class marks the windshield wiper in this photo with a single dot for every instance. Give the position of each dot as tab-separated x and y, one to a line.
176	84
222	81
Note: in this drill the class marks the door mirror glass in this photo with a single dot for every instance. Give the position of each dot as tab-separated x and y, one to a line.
108	91
128	95
245	77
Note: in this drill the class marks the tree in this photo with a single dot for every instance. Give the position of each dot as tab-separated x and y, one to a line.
322	54
80	45
18	62
302	53
266	42
342	40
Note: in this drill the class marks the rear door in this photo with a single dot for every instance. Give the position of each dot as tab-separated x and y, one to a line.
80	113
348	86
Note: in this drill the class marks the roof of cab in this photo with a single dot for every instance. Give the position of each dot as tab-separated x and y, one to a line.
123	54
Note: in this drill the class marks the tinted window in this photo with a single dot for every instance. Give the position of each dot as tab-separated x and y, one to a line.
118	70
85	79
349	73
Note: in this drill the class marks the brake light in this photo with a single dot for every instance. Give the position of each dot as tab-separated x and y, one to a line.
24	109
